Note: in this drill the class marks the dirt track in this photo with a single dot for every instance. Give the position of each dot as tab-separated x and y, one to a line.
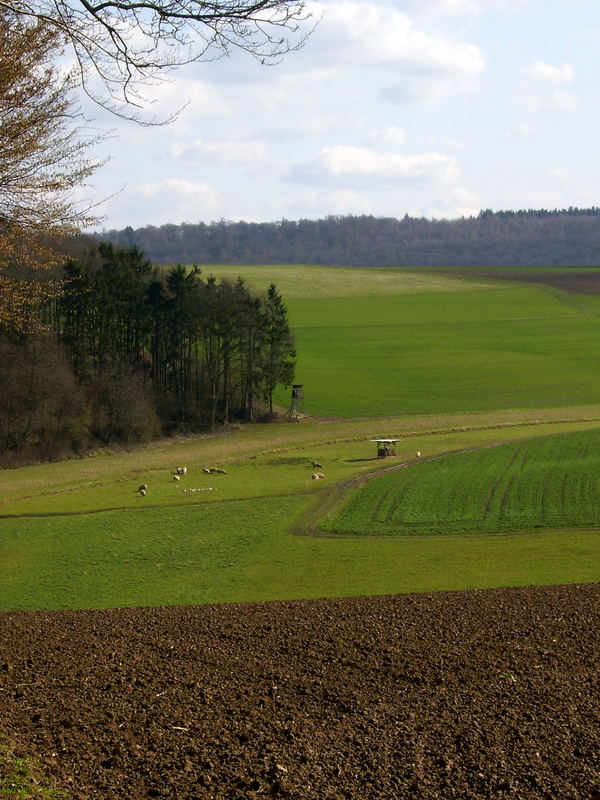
487	694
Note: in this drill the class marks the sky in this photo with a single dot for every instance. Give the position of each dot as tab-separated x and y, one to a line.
433	108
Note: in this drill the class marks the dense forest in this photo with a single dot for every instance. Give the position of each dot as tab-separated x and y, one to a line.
569	237
121	352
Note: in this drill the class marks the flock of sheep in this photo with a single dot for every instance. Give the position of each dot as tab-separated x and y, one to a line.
181	471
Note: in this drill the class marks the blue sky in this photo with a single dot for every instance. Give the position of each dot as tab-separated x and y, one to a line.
433	108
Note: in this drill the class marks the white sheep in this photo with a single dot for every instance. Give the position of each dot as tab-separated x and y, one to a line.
317	476
142	491
207	470
143	487
218	471
176	478
181	470
418	454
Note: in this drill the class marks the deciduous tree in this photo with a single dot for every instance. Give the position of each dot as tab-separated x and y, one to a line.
43	158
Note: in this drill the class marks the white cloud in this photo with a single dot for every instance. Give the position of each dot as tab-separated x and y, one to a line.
518	131
464	8
543	88
542	199
390	136
457	203
543	72
171	200
189	95
320	203
177	186
377	36
452	8
557	173
550	100
347	163
234	152
313	122
564	101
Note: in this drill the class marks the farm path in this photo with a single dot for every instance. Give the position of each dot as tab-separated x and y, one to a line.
308	523
470	695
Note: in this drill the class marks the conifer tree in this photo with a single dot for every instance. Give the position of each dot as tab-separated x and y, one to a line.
279	355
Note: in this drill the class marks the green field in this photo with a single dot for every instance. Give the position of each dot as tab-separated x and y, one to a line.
441	363
433	353
544	483
375	342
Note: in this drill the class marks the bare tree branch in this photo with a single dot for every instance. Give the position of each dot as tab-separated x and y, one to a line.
122	46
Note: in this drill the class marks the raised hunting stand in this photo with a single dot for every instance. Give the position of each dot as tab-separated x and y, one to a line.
297	404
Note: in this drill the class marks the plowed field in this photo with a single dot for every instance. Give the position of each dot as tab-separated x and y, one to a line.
481	694
571	279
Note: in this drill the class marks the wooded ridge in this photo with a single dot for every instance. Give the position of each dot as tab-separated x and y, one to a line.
569	237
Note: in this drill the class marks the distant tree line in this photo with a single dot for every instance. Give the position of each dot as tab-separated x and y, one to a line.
568	237
124	351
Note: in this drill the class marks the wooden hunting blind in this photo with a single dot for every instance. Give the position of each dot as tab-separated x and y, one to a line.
297	401
385	447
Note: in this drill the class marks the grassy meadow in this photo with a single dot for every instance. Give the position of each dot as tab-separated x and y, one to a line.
374	342
444	364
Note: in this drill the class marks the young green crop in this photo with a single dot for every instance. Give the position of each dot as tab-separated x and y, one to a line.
551	482
444	352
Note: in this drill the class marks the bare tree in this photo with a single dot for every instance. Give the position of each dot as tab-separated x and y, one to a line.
130	43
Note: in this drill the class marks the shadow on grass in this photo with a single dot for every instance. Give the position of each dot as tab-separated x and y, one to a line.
363	460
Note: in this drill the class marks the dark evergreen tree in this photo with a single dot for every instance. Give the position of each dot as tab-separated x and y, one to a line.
278	352
147	348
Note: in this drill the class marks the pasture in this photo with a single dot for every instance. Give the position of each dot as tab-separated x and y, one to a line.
78	535
442	363
375	342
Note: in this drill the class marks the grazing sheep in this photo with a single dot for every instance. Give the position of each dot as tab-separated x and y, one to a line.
317	465
181	470
218	471
142	491
317	476
418	454
143	487
176	478
207	470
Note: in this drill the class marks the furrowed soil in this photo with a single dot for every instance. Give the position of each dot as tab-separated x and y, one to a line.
475	694
569	280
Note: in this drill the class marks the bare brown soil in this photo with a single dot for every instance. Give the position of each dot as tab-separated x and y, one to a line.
569	280
479	694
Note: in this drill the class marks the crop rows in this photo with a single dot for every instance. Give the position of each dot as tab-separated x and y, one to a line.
552	482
